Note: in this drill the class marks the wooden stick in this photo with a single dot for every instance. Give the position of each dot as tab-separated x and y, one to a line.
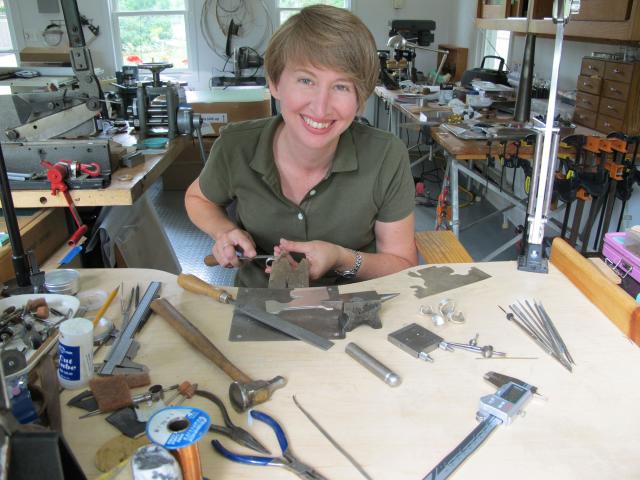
195	337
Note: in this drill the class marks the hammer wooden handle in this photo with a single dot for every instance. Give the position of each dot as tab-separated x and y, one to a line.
196	338
195	285
210	261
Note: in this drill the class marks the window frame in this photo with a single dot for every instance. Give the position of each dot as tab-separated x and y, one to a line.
190	34
348	6
13	21
488	43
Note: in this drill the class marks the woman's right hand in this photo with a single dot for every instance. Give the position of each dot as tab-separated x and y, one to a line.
229	243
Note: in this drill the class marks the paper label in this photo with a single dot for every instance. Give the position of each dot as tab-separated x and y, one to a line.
69	368
214	117
159	427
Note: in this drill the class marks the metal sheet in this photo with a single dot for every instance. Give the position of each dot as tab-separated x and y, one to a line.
25	157
442	279
321	321
325	323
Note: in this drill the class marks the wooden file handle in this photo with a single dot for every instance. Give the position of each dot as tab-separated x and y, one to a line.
194	285
196	338
210	261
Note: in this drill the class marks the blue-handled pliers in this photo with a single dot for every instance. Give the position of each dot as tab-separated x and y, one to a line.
287	460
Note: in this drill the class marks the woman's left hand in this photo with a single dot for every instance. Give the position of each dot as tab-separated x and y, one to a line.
322	256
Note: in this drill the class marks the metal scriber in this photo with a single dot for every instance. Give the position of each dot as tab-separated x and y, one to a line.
333	442
287	460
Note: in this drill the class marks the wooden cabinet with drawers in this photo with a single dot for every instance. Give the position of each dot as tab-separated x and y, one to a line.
609	20
608	97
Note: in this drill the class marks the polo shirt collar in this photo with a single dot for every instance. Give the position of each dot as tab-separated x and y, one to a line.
345	159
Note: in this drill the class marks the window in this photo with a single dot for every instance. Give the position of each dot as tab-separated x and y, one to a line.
286	8
7	50
496	43
151	31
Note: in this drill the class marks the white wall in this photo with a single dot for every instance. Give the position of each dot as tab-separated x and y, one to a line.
376	14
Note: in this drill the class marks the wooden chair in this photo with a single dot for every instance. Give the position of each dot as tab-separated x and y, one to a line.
614	302
441	246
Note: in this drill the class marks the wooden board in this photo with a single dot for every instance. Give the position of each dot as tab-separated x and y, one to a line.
441	246
127	184
385	429
614	302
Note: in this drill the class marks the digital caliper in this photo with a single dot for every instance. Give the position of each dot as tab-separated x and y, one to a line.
500	407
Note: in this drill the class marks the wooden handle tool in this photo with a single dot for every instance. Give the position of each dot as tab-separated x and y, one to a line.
210	261
195	285
196	338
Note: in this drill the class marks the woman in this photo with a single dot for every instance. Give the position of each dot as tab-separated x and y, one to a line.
311	181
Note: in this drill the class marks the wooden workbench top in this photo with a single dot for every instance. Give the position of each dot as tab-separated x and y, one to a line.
127	184
588	428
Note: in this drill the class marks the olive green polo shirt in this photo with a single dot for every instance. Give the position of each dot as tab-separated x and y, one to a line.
369	180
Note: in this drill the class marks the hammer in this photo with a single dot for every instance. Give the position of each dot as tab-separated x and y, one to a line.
244	392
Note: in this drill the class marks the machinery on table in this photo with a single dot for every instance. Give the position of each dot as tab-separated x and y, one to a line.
242	58
39	126
155	106
405	37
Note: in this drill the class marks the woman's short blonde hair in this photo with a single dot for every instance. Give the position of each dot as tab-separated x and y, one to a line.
326	37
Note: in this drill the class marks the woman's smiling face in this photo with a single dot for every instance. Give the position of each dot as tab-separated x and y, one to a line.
317	105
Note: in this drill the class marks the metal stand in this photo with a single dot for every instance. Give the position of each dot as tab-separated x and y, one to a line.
546	157
29	278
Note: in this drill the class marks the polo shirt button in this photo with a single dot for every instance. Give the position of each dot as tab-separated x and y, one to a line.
312	192
300	216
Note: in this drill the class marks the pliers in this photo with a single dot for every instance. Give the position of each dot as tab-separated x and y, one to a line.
235	433
287	460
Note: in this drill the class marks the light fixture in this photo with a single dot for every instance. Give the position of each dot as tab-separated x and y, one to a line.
398	42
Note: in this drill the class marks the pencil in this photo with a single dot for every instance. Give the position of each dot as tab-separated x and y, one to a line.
105	305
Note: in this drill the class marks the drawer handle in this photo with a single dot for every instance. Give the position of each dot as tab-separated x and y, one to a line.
590	67
582	117
587	102
609	107
607	124
585	84
615	70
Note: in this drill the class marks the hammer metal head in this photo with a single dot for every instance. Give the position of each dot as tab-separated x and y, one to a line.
243	396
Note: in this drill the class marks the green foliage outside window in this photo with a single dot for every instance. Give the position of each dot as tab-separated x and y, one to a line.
146	5
306	3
